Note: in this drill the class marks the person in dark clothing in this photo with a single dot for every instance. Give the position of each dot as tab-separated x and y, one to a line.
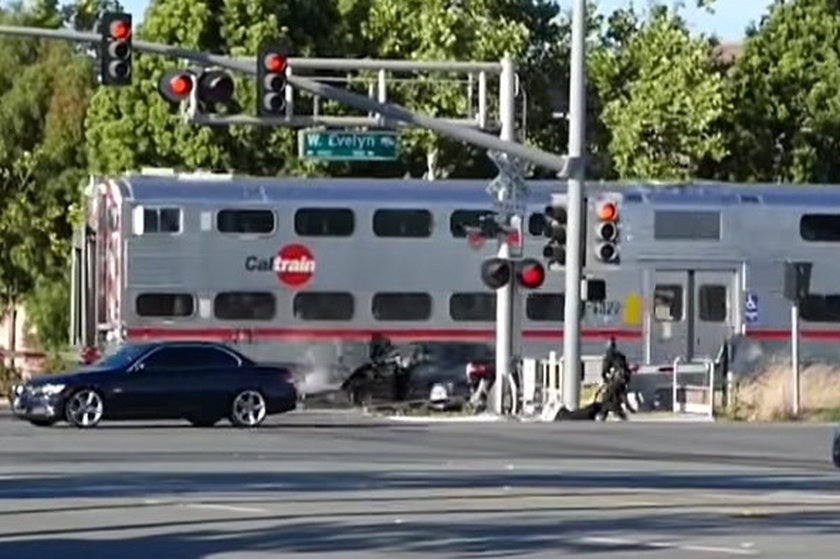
615	373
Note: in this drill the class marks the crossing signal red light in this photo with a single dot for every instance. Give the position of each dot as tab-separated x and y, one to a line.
176	85
495	272
531	273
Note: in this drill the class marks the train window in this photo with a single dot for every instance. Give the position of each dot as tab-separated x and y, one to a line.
820	227
402	306
820	308
324	222
402	223
545	307
472	307
536	224
711	302
668	303
245	221
161	220
684	225
164	304
466	218
324	306
239	305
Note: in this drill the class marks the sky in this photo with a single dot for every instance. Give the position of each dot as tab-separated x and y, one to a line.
728	23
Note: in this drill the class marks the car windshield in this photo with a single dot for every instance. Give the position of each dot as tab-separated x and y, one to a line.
123	356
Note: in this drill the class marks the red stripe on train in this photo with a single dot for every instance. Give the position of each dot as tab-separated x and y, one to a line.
360	334
784	335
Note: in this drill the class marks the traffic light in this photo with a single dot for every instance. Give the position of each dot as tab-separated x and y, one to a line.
554	229
271	79
530	273
176	85
495	272
115	49
606	231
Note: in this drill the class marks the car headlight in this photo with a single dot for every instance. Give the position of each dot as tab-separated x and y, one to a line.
52	389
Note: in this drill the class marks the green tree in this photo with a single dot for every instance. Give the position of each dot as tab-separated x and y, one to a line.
44	90
132	127
663	97
786	123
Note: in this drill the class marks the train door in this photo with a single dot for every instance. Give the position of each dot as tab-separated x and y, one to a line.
691	313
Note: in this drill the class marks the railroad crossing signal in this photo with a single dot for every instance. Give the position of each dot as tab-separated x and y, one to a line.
498	272
207	88
115	49
272	61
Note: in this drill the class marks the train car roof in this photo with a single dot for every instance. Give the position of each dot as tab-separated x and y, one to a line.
150	188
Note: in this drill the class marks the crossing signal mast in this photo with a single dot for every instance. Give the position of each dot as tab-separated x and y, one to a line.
115	49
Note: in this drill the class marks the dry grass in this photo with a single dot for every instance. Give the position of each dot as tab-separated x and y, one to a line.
768	395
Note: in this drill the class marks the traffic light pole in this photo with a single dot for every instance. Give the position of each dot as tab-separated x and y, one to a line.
560	163
574	238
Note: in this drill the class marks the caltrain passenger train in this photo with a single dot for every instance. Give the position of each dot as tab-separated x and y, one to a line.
294	269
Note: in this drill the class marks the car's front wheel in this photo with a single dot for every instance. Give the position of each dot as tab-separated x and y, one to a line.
249	409
84	408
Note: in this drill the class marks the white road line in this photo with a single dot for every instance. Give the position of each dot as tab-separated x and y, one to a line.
229	508
671	545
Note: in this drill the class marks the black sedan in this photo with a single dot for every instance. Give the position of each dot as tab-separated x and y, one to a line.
198	381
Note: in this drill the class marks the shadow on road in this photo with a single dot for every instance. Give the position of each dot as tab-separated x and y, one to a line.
462	538
263	484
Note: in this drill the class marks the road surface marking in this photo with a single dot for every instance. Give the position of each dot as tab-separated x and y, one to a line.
229	508
671	545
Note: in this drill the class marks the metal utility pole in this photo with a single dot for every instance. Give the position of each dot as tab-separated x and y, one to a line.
577	141
504	295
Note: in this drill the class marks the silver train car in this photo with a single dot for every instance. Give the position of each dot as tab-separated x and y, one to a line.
303	270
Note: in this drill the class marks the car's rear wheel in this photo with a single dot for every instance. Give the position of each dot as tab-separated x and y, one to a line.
84	408
248	409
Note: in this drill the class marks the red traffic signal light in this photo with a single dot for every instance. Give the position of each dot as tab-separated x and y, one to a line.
120	29
176	85
271	79
530	273
495	272
275	62
115	49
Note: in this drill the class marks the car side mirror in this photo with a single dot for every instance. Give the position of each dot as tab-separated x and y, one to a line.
138	367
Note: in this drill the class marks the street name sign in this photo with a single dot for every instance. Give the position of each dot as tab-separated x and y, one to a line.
345	145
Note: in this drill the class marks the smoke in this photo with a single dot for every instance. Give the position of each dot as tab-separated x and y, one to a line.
320	369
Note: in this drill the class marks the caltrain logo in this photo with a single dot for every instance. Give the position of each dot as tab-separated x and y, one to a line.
293	264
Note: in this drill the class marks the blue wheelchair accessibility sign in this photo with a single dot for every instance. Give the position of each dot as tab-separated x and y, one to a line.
751	308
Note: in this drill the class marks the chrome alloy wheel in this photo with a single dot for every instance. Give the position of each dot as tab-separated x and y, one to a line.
84	408
248	409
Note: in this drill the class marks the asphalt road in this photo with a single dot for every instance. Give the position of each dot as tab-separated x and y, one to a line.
334	484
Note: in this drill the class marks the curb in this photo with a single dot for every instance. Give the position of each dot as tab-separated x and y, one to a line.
450	419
